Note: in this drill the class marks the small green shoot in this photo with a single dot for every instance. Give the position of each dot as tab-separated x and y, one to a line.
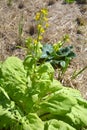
75	74
20	28
69	1
78	1
9	3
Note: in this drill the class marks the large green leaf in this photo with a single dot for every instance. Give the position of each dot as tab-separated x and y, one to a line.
58	103
5	107
43	80
10	115
57	125
65	104
36	101
35	122
77	116
15	82
66	52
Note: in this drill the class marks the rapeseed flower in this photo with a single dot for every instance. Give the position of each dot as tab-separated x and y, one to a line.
47	25
39	26
37	17
35	42
40	37
45	19
55	46
40	29
66	38
44	11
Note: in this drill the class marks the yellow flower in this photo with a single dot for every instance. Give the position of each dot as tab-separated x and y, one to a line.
47	25
40	37
37	17
66	38
60	43
35	42
44	11
55	46
42	30
45	19
39	26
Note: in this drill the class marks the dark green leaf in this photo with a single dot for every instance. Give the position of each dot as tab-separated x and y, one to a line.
46	50
64	51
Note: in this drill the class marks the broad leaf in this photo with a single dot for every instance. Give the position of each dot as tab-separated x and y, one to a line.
46	50
15	82
31	100
57	125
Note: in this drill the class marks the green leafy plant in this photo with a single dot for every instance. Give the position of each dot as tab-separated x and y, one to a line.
58	55
31	100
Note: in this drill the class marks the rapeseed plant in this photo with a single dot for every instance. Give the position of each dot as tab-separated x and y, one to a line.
41	25
34	46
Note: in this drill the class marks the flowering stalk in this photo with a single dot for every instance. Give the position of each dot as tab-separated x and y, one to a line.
34	45
41	20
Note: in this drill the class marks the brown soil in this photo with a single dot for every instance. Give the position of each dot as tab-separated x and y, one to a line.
63	19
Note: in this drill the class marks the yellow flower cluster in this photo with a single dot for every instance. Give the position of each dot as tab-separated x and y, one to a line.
47	25
37	17
42	15
42	23
45	19
66	38
55	46
44	11
40	28
35	42
40	37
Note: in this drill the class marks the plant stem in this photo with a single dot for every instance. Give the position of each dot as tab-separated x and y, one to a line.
79	72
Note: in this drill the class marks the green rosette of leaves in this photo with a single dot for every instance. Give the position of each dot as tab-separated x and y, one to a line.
34	100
